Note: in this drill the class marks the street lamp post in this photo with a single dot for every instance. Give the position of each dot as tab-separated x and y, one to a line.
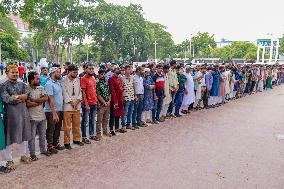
155	51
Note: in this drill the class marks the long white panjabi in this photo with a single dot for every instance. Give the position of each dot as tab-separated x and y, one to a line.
188	98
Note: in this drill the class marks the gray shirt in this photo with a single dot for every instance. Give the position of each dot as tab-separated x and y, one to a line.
37	113
71	91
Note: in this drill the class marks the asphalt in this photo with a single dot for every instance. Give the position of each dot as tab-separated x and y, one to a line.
237	146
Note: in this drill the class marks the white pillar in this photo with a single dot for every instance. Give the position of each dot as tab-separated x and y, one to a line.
277	51
271	51
263	53
258	52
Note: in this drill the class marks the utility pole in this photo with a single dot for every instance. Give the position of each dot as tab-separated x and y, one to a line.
155	51
87	53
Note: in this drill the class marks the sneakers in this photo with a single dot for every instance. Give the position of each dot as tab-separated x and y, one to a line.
52	150
59	147
122	130
78	143
68	146
156	122
86	141
178	115
130	128
4	169
97	138
92	138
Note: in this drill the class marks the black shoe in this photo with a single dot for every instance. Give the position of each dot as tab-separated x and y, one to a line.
178	115
78	143
59	147
92	138
4	169
68	146
86	141
52	151
155	122
113	133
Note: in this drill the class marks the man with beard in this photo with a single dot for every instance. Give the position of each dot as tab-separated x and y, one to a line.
89	103
16	116
35	102
53	110
116	107
72	97
65	66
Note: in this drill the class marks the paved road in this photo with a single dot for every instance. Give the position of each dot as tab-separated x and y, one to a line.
230	147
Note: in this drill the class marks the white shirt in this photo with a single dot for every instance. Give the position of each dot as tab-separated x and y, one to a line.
138	85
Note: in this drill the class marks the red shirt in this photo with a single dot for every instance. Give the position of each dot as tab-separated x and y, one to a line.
21	71
89	84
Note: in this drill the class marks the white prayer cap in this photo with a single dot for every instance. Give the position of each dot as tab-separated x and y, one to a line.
193	66
52	70
147	70
188	66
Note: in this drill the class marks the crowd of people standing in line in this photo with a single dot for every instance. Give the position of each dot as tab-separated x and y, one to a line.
117	99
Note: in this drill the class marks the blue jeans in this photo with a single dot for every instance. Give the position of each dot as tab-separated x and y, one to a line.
137	112
91	115
171	106
128	109
179	99
158	105
40	128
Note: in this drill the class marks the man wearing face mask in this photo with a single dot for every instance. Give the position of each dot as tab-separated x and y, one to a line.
71	110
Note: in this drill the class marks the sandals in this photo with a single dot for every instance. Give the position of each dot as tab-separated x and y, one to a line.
33	158
11	165
4	169
25	159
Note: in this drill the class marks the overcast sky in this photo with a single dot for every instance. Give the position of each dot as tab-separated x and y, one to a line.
229	19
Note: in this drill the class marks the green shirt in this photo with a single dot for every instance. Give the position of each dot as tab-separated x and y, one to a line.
181	81
103	90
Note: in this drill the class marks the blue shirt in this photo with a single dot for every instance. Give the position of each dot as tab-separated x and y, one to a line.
108	75
43	80
53	88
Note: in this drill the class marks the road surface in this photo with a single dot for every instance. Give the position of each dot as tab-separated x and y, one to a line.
235	146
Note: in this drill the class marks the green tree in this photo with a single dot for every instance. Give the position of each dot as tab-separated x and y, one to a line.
241	48
203	44
10	48
7	26
281	47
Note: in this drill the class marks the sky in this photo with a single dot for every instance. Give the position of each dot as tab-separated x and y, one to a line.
234	20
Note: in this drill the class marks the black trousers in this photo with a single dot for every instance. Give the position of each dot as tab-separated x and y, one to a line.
53	129
205	98
113	120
